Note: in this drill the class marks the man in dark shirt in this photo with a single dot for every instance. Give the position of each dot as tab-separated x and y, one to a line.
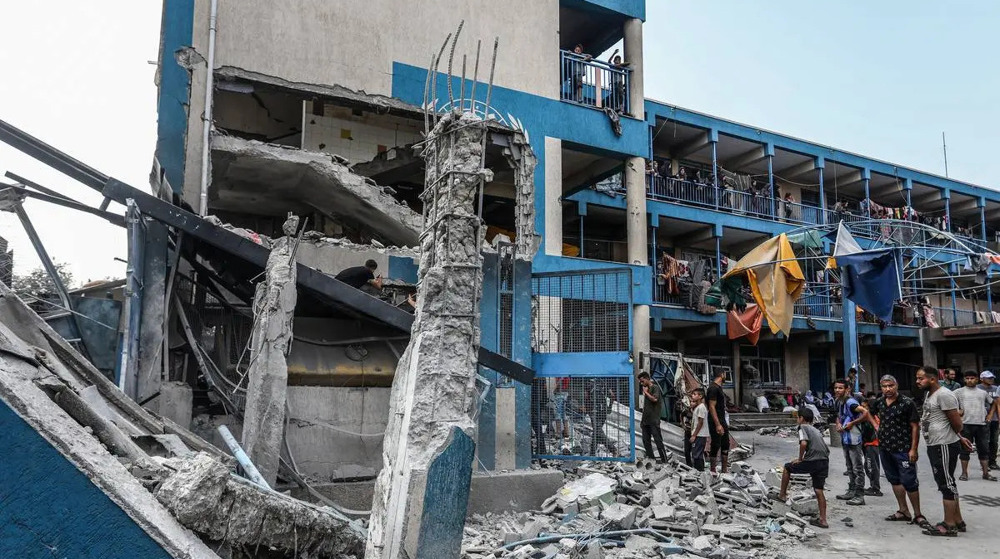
651	411
359	276
719	424
598	399
899	438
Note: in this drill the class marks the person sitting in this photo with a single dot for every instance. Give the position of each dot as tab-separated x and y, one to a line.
360	276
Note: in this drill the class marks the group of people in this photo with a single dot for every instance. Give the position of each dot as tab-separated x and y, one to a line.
575	72
885	431
561	405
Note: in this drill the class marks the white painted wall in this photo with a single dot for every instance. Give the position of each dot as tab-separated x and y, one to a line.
364	133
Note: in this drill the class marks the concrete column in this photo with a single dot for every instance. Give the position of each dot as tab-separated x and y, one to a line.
553	197
638	247
769	152
953	271
929	353
866	179
633	55
675	166
820	165
850	332
907	188
946	193
982	217
737	374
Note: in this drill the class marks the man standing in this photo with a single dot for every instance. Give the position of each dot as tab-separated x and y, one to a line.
719	424
990	388
899	438
942	425
951	380
651	411
850	416
869	443
360	276
598	393
974	404
699	435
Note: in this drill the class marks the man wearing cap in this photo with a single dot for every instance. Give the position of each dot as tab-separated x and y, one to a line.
973	404
899	439
988	384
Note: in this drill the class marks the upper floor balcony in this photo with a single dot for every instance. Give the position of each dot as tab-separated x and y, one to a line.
595	83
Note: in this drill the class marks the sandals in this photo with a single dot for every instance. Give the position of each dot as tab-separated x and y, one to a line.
942	530
899	516
965	477
815	522
989	477
961	527
922	522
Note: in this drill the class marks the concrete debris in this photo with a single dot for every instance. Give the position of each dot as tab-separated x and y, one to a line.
270	340
204	496
522	158
318	180
618	511
429	448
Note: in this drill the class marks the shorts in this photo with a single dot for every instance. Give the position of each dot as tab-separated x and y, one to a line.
899	470
559	403
979	434
944	458
819	470
719	442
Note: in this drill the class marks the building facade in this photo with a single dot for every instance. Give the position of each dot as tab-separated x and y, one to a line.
303	100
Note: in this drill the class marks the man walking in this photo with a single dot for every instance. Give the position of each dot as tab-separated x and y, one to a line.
651	411
719	425
942	425
850	416
899	438
988	385
974	404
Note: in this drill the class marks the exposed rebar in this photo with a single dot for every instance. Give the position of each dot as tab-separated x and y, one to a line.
475	76
461	98
489	87
427	88
434	82
451	60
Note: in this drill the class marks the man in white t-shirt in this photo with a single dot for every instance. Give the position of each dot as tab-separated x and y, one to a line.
974	404
942	425
700	434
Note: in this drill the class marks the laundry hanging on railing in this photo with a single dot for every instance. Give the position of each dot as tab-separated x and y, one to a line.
980	264
776	281
871	278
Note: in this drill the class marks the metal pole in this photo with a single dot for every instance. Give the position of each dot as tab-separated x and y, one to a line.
770	181
944	147
241	456
822	198
850	329
715	172
206	129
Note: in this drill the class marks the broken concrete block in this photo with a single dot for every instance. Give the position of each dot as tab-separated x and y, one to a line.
792	517
703	543
805	506
663	512
622	516
636	542
791	529
593	550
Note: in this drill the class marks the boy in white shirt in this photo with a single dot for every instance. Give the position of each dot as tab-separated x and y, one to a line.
699	429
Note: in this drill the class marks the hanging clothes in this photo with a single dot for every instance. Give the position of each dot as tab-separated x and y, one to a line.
775	279
746	323
670	272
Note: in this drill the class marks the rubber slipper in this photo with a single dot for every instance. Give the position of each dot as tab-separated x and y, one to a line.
815	522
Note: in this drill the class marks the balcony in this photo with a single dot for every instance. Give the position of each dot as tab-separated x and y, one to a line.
593	83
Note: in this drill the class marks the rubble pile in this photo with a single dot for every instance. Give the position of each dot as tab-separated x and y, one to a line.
618	511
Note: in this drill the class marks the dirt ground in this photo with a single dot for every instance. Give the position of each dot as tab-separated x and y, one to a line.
872	537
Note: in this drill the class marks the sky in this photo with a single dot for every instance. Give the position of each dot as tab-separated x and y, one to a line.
882	79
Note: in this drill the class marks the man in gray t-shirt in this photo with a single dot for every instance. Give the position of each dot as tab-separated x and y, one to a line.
974	403
941	425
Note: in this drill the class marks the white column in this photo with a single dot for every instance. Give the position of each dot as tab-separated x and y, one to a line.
553	195
633	55
636	224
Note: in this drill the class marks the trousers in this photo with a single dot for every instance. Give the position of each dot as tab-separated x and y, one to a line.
653	431
854	456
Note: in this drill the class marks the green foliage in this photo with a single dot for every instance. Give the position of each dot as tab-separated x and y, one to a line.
37	282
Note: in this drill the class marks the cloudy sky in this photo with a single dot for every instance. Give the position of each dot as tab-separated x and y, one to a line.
879	78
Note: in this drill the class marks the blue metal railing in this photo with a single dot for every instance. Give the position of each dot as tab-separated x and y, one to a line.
591	82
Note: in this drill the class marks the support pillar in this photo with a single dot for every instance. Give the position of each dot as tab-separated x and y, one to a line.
737	373
633	55
866	179
581	211
713	138
908	188
820	165
850	331
946	194
982	217
553	214
952	271
769	153
718	257
638	247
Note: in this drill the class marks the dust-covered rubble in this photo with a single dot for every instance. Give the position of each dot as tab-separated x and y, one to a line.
617	510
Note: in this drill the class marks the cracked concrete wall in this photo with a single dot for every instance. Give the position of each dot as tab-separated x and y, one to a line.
433	394
522	158
274	311
298	44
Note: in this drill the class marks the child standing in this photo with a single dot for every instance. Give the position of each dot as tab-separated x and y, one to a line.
699	429
869	442
814	459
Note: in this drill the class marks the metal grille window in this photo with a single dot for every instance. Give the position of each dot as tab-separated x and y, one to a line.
583	417
582	312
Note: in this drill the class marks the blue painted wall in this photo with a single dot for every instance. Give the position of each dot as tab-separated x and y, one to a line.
177	26
403	269
49	509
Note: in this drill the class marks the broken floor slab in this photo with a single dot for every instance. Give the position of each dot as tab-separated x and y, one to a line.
248	175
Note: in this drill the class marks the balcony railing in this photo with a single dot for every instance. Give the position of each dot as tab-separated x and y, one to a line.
590	82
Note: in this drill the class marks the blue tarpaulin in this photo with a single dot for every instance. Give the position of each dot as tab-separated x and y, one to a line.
872	279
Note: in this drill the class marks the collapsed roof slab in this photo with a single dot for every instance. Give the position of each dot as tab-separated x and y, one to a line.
254	177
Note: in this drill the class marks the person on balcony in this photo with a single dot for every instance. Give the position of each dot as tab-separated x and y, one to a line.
575	69
617	94
787	205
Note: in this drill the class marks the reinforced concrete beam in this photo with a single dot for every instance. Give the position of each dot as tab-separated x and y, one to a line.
849	179
964	205
746	158
591	173
797	170
691	146
701	235
932	196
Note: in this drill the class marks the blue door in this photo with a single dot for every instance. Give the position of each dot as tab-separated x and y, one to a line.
819	376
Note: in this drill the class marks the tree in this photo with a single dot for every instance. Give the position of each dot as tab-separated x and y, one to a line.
37	282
